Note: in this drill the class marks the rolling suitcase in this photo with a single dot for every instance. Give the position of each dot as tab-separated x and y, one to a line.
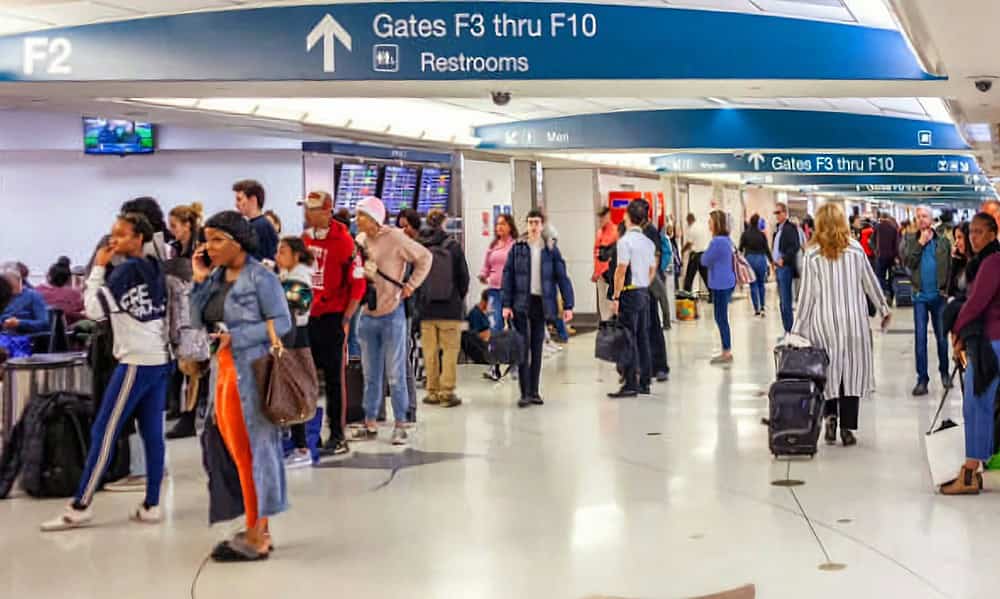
354	394
902	287
795	415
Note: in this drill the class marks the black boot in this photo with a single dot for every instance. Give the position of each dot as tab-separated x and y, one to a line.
184	427
831	430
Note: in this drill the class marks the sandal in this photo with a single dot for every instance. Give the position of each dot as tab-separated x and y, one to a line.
233	551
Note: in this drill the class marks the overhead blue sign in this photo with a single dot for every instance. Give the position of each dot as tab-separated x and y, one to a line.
726	129
379	152
459	40
818	164
828	180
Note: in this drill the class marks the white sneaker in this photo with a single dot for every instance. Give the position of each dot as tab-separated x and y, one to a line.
399	436
298	459
69	519
151	516
129	484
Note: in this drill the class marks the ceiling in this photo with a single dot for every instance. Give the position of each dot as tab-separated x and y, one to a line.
17	16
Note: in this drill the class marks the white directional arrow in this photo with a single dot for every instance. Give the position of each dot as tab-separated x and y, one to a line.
756	159
329	30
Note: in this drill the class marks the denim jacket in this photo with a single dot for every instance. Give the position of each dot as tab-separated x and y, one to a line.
256	297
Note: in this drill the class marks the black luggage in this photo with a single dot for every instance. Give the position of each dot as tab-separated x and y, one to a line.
614	342
354	392
506	347
796	407
902	287
65	441
809	363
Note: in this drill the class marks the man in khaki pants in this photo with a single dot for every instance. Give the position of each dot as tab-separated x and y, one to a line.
442	310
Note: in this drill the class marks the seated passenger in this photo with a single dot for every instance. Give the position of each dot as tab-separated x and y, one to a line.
26	312
58	294
474	339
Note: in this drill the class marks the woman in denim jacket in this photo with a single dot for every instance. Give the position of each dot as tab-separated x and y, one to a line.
235	301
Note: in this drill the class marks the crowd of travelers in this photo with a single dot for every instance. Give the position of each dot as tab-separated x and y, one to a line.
192	305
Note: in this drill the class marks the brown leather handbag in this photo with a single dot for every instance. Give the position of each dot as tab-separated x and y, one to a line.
286	380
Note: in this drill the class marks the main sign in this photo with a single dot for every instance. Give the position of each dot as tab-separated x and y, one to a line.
818	164
458	40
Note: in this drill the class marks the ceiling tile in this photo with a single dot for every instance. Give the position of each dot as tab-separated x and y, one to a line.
807	103
734	5
855	105
168	6
72	13
905	105
833	10
11	24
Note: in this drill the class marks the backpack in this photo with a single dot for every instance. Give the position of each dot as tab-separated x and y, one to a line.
56	470
439	286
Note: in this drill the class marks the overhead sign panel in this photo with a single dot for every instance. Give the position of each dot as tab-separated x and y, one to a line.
458	40
818	164
850	180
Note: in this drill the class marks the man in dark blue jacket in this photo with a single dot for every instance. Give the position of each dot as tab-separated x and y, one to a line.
250	203
535	270
26	312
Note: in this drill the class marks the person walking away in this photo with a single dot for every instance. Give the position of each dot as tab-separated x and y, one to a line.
961	253
666	274
695	241
442	310
136	297
866	236
534	272
636	267
382	327
338	284
250	203
976	335
607	235
928	256
887	241
838	284
784	253
491	275
719	259
753	245
294	261
241	302
477	336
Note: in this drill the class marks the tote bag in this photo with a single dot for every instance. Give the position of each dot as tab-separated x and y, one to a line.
945	444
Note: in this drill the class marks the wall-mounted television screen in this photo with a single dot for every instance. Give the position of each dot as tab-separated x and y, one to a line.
435	189
399	188
117	137
356	182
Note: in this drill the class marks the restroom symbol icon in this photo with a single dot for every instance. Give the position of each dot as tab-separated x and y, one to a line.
385	58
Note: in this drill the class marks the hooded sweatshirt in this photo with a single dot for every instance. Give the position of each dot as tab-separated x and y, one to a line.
136	295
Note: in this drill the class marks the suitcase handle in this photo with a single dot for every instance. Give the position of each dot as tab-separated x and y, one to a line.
944	397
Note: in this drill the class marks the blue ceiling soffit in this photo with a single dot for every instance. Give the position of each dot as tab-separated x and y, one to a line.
446	41
722	129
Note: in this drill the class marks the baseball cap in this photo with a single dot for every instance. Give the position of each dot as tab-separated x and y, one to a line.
316	200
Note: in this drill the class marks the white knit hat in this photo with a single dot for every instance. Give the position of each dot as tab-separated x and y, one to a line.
373	207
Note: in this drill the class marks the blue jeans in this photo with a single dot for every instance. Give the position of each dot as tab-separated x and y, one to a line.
978	413
496	310
383	356
561	329
141	390
720	303
760	266
353	344
786	277
922	312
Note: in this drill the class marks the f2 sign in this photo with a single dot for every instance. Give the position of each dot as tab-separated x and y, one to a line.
48	54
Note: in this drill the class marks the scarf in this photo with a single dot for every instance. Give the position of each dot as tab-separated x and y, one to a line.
977	260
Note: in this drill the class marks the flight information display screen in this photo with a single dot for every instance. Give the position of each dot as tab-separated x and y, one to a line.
399	188
435	189
357	181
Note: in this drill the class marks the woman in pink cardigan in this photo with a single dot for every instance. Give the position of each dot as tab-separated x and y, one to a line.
492	273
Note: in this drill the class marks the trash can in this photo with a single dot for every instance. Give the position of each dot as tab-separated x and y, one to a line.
26	378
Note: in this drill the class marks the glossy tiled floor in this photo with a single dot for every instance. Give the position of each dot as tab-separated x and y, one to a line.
666	496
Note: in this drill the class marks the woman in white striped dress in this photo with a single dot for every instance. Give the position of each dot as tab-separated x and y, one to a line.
832	313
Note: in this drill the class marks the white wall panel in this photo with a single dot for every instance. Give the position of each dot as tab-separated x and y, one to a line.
570	200
484	185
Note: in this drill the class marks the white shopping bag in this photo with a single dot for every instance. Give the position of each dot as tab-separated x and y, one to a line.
945	442
945	452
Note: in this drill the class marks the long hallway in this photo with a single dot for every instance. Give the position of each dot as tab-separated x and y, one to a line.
663	496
